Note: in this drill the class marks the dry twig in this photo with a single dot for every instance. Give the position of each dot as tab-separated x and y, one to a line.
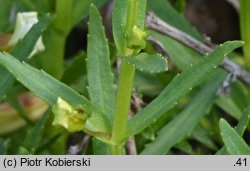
136	104
156	24
76	149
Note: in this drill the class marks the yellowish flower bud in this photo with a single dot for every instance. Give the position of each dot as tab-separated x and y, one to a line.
136	38
65	115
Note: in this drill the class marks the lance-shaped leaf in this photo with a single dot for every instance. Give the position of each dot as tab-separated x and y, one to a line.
182	57
34	135
182	125
243	122
100	77
201	135
148	63
49	89
80	10
119	23
235	145
179	87
22	51
43	85
240	128
141	13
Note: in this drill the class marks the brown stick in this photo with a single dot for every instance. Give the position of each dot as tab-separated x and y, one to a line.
155	23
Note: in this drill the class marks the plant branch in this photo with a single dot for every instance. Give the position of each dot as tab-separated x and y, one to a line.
122	106
155	23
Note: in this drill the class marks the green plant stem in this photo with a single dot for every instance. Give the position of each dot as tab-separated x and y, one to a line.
117	150
245	28
54	50
55	39
125	86
132	13
122	106
64	15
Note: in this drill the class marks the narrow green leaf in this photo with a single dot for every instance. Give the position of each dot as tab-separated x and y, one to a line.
119	24
23	151
34	135
182	57
3	146
179	87
240	95
43	85
100	76
184	146
48	142
148	63
80	10
75	69
5	8
23	50
99	147
182	125
142	5
243	122
229	106
235	145
49	89
13	100
241	127
202	136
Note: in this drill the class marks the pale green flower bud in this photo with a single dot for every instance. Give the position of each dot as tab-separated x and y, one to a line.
136	38
65	115
24	22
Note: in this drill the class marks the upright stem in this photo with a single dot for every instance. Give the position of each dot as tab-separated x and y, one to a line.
55	44
122	106
132	14
245	28
125	86
63	15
